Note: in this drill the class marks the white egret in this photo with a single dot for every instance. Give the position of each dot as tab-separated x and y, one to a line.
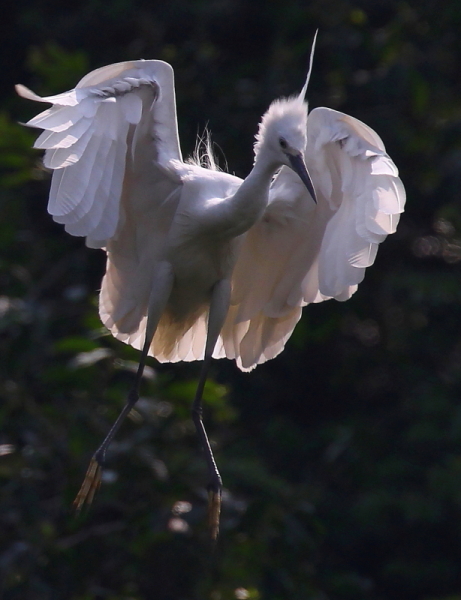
199	262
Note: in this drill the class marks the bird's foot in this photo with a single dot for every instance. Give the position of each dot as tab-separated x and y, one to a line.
90	485
214	511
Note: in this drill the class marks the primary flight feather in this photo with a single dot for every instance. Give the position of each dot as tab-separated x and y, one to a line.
199	262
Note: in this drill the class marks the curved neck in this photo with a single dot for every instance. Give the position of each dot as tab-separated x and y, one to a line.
252	197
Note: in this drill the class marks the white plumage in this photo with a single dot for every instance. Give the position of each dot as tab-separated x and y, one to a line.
119	180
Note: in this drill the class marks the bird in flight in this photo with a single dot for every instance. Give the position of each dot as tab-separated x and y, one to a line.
201	263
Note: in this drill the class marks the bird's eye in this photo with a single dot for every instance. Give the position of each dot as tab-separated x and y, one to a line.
283	144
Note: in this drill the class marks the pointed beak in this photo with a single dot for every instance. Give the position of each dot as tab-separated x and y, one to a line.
299	167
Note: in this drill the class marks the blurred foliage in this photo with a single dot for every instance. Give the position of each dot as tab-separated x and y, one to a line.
342	457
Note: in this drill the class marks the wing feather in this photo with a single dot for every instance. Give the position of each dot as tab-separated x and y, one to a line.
106	217
64	156
56	119
88	214
65	99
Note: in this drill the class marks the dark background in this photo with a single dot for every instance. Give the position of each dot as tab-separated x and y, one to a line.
341	458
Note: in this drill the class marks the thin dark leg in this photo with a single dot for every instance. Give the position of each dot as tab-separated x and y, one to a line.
93	476
218	310
215	481
163	282
133	397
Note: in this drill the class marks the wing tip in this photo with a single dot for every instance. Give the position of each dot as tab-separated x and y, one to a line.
25	92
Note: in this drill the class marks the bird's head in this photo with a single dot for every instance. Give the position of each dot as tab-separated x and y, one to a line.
282	130
282	137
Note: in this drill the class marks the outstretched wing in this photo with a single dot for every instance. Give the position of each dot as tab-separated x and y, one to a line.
300	252
119	120
113	145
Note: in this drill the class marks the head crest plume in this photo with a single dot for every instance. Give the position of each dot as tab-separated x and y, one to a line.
285	113
302	95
